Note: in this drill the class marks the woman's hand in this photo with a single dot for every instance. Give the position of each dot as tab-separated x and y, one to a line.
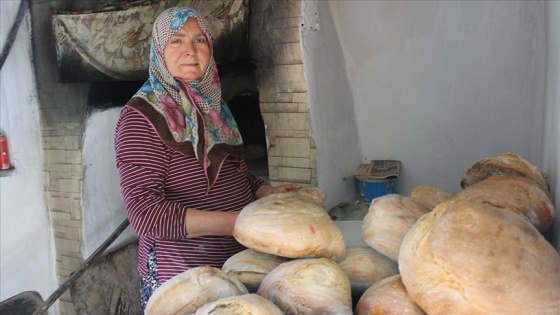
266	190
285	188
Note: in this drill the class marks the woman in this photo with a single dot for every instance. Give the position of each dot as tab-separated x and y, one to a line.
179	155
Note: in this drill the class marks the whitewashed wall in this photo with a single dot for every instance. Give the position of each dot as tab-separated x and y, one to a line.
27	257
551	143
442	84
331	105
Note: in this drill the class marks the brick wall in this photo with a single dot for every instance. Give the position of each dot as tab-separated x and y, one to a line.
276	49
62	177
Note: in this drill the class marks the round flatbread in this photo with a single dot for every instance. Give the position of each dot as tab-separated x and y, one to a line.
431	195
508	163
469	258
517	194
247	304
387	297
365	266
189	290
289	225
388	220
250	267
308	286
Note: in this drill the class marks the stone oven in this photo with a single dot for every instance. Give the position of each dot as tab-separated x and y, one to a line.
269	84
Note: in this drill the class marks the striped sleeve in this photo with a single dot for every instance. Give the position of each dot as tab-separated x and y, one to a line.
255	182
143	163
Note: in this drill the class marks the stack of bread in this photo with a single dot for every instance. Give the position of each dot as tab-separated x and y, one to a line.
431	195
244	304
250	267
292	225
388	220
482	251
188	291
387	296
478	251
295	226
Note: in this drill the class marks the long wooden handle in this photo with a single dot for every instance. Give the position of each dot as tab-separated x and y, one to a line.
83	267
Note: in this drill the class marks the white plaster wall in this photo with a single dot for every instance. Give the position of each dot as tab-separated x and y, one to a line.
551	144
27	259
102	201
331	104
442	84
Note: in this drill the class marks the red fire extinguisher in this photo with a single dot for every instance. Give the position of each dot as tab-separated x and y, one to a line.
4	155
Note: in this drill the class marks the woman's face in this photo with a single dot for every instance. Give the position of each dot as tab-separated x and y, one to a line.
187	53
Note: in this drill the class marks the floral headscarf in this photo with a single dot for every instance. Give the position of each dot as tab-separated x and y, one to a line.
188	107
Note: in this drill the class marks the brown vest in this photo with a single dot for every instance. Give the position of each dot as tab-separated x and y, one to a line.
216	155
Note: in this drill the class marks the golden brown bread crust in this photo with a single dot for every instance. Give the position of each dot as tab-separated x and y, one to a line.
517	194
365	266
250	267
289	225
387	297
314	193
189	290
507	163
469	258
314	286
431	195
388	220
252	304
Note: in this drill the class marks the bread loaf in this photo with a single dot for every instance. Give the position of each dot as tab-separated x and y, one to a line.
507	163
431	195
314	193
289	225
250	267
387	297
389	218
308	286
247	304
517	194
189	290
365	266
469	258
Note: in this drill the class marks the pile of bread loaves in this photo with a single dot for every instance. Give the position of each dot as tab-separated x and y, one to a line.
478	251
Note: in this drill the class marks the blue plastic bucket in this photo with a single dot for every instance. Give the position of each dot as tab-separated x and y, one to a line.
369	189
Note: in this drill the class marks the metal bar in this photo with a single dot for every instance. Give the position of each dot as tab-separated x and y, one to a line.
83	267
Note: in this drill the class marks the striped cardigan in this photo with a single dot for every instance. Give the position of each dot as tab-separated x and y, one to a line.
159	184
